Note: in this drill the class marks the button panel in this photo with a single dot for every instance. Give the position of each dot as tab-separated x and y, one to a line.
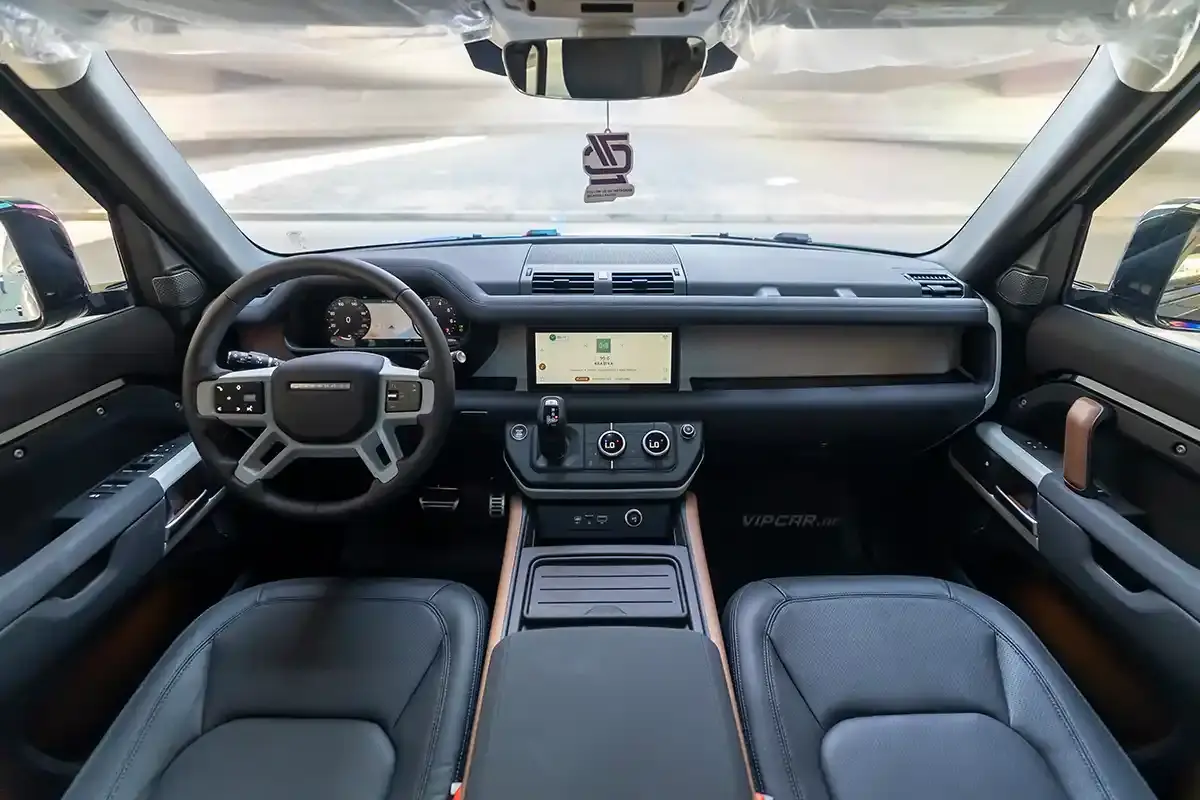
402	396
239	398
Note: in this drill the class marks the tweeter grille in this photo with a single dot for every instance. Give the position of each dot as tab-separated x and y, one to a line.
1019	288
179	289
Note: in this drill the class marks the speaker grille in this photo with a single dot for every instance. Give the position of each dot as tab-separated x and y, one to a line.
1019	288
179	289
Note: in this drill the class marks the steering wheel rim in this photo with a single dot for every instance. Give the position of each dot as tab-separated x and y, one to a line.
205	384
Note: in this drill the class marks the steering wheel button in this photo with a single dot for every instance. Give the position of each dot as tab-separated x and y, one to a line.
402	396
239	398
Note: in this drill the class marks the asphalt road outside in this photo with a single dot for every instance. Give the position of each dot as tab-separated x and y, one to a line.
902	197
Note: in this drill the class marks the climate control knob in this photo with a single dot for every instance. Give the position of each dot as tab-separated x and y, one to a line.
656	444
611	444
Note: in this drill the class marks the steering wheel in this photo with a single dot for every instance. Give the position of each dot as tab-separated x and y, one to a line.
341	404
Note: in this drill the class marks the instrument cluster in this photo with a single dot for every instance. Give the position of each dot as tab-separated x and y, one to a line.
355	321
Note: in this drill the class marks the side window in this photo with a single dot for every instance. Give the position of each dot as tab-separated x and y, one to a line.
1141	258
45	216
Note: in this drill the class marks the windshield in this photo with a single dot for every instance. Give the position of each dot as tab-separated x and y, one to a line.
318	138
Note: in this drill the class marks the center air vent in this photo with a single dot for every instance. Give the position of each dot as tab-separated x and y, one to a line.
562	283
936	284
657	282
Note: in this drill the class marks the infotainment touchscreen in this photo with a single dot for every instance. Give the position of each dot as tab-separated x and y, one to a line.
573	358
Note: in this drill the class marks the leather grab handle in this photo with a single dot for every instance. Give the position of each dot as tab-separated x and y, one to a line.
1083	419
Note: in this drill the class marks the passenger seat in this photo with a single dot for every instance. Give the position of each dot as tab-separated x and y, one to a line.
871	687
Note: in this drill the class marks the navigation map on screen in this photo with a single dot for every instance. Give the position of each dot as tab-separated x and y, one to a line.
602	359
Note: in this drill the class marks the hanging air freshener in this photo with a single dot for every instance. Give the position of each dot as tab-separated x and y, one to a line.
607	162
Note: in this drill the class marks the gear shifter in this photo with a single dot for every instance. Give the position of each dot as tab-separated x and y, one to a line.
552	429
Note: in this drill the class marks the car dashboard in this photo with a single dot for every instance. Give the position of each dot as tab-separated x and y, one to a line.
755	340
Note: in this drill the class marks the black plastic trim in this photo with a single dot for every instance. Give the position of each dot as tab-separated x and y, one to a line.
481	307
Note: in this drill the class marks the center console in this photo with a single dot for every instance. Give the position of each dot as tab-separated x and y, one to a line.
605	674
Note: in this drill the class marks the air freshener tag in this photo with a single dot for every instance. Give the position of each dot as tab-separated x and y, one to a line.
607	162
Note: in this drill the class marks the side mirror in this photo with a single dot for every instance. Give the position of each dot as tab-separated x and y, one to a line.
596	68
42	284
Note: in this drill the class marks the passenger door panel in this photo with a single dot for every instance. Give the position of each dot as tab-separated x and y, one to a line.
1130	552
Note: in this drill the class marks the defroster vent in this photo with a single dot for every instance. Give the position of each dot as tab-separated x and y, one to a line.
562	283
936	284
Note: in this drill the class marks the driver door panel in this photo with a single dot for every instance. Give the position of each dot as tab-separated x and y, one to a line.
75	408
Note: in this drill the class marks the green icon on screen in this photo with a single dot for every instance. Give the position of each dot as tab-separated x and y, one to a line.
604	345
553	337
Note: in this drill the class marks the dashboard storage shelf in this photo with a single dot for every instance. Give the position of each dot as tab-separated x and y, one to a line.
603	713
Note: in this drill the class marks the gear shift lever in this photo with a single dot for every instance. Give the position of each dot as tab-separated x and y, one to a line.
552	429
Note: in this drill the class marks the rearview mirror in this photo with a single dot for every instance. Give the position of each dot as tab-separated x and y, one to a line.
42	284
1157	282
623	68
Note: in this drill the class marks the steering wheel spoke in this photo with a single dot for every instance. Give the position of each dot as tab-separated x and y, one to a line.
266	457
237	398
381	453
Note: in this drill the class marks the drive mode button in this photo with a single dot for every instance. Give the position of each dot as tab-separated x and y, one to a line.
611	444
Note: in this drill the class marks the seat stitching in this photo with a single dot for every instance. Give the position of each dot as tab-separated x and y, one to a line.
162	697
1079	745
755	766
480	622
780	732
441	706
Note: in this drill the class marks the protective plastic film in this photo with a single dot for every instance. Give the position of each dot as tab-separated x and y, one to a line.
786	36
47	32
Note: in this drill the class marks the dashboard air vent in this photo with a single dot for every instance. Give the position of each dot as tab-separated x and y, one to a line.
936	284
562	283
659	282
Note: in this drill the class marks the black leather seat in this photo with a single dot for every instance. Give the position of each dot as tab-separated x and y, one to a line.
302	690
910	688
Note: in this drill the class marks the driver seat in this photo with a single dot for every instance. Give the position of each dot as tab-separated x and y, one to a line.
301	690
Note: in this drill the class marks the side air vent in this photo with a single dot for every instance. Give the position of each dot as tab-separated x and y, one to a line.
562	283
936	284
657	282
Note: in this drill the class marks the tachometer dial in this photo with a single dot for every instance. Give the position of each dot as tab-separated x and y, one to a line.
347	319
451	322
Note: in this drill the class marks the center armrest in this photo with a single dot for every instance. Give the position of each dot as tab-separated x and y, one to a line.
596	713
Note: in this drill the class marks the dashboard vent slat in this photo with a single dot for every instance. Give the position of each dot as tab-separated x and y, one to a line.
652	282
562	283
936	284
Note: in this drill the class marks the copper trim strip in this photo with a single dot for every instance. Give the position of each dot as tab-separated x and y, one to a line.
500	609
1084	416
708	610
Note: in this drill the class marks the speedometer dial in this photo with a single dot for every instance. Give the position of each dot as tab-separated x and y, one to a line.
347	319
451	322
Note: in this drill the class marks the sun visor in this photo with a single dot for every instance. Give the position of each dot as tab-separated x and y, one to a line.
1150	42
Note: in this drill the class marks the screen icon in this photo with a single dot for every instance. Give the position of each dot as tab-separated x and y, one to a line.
553	337
604	345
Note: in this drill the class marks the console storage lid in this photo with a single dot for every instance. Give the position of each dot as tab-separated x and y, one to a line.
601	713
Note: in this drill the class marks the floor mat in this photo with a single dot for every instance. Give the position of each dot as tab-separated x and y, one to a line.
818	522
